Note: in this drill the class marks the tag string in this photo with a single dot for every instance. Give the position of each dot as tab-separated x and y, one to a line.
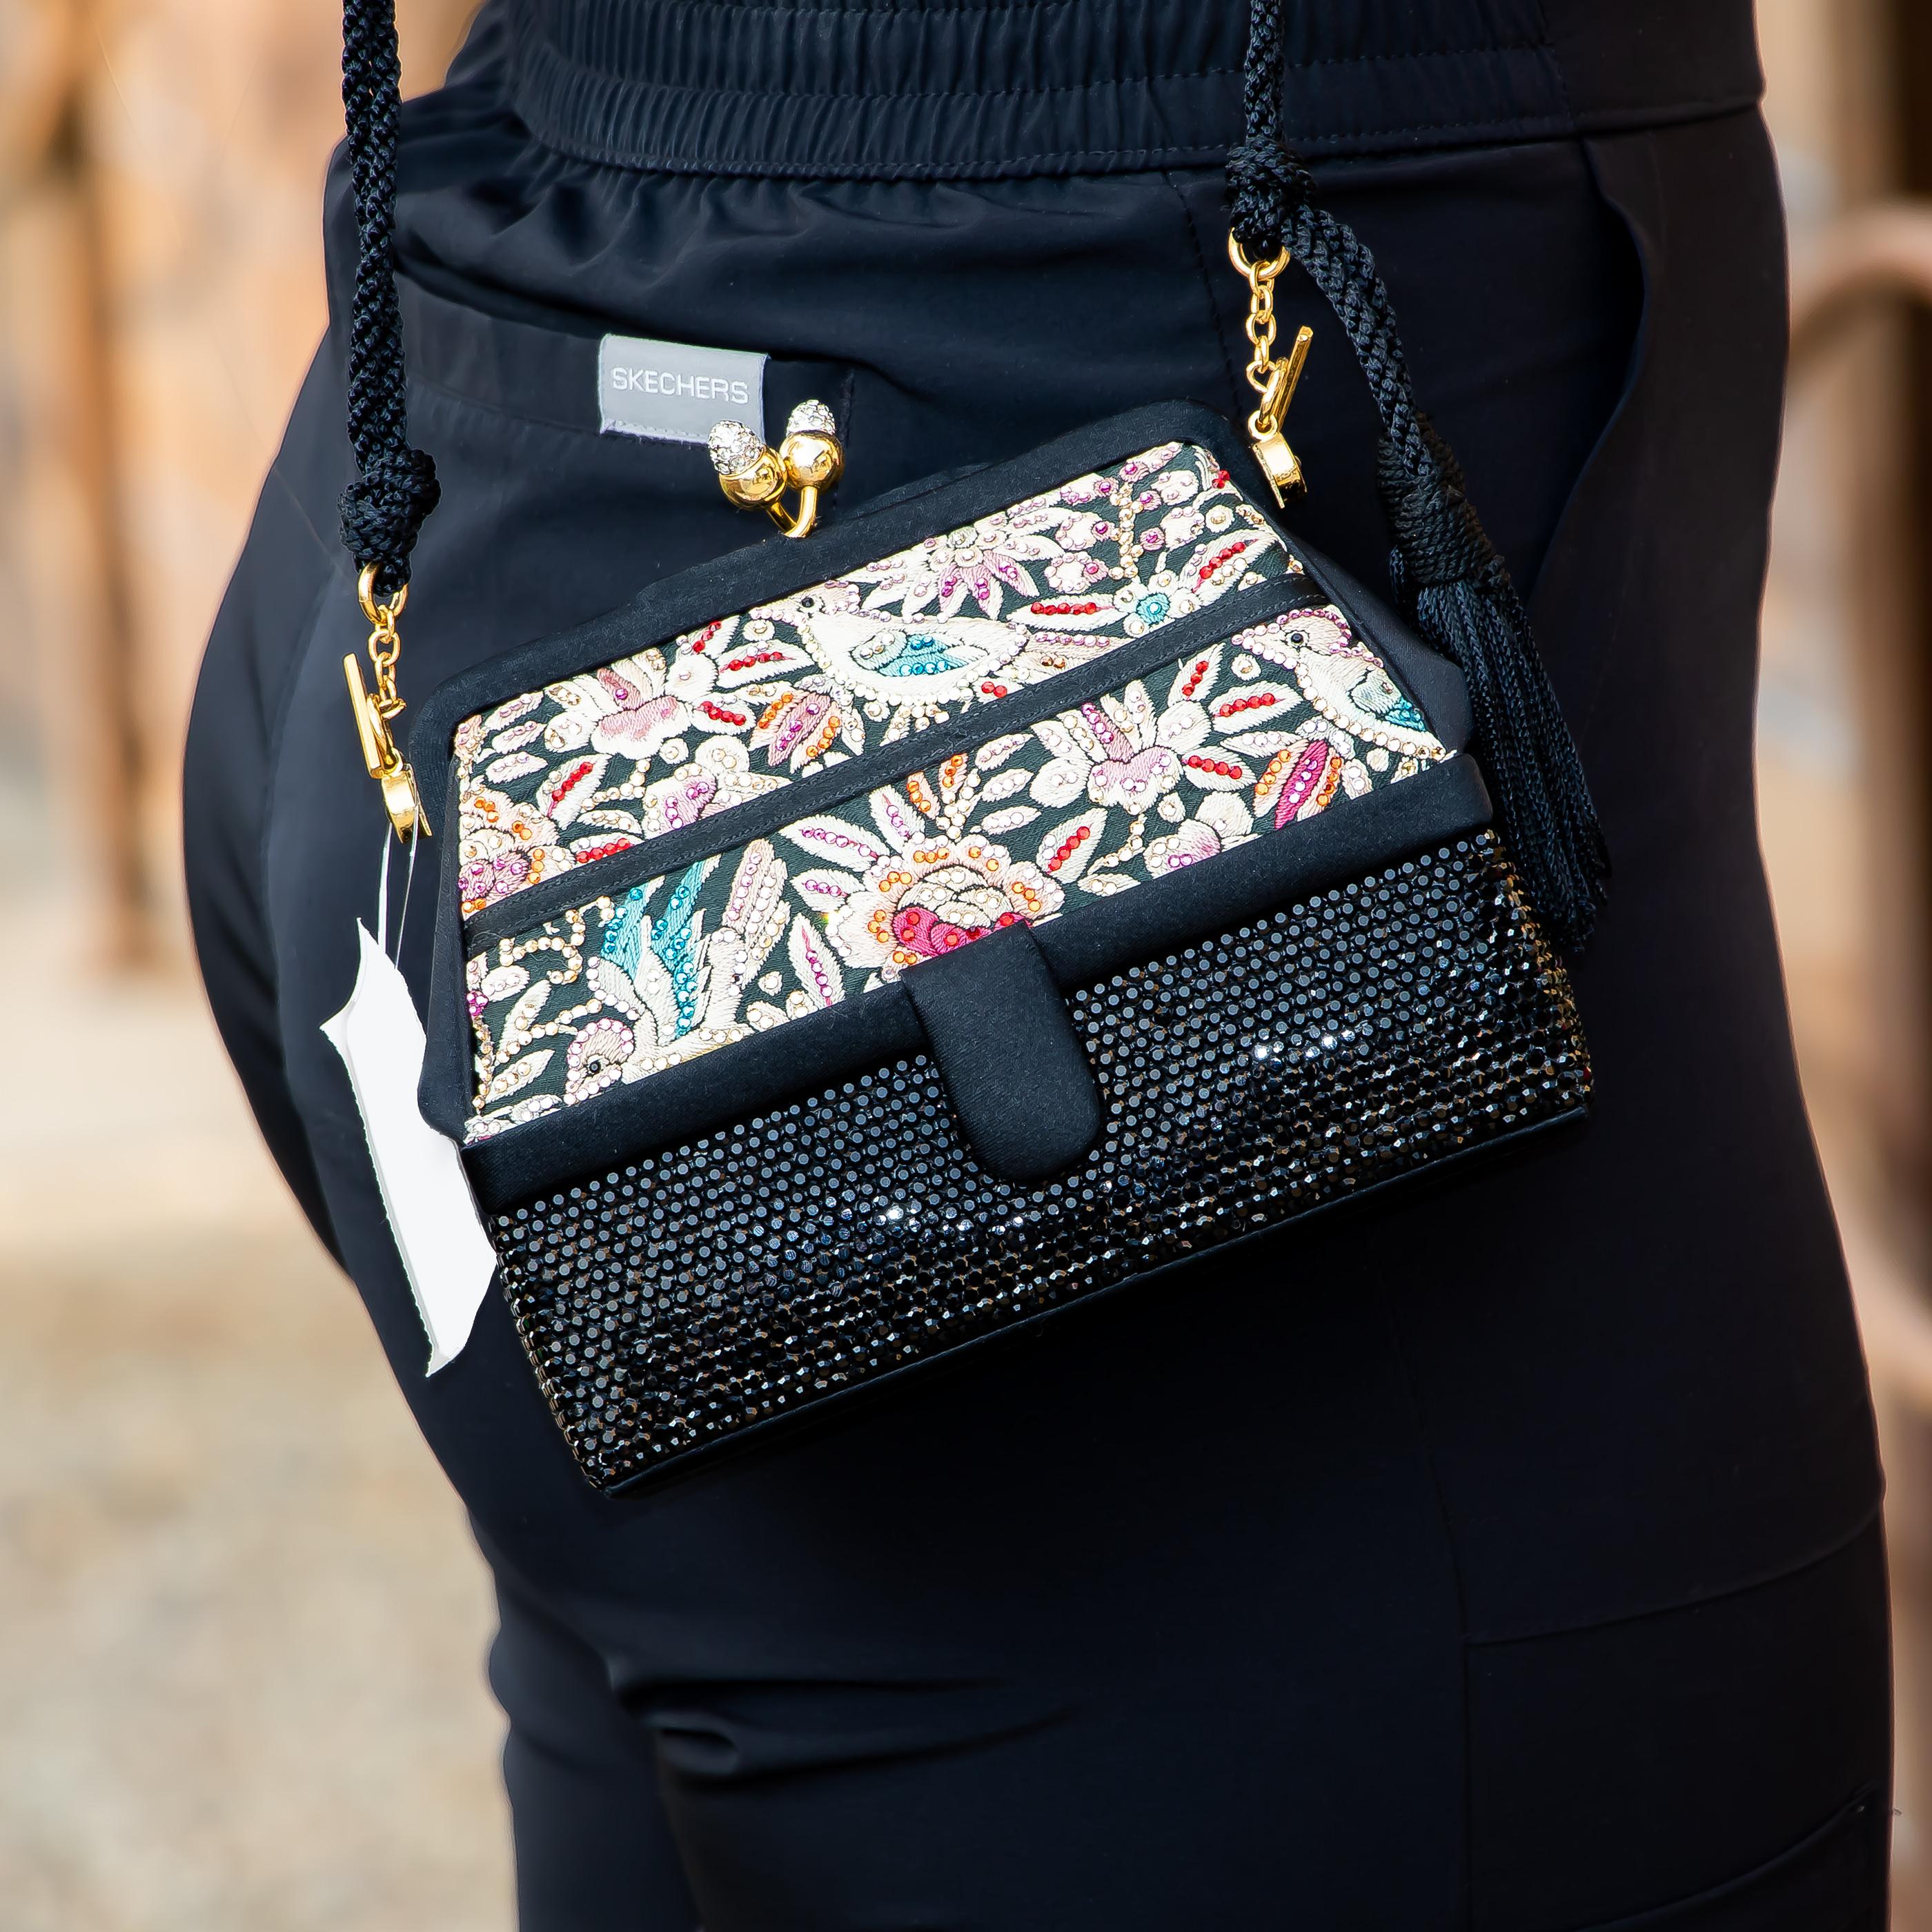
382	897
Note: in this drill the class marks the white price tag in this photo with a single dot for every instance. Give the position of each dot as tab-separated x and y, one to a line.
426	1195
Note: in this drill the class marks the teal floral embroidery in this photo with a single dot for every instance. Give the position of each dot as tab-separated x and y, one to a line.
1229	743
594	764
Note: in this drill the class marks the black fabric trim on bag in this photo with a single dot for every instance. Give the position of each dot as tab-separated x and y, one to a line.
753	1076
986	1009
444	1089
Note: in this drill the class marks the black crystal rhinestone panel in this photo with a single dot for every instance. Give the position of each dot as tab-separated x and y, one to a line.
1359	1036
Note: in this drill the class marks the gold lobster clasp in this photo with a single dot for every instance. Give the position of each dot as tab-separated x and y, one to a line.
1273	380
374	710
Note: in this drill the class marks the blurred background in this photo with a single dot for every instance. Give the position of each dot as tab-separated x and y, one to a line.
241	1625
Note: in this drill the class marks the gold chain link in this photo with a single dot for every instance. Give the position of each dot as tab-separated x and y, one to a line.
375	709
1273	379
1262	277
384	642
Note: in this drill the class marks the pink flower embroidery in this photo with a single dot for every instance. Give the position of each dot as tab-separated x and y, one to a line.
641	720
1118	751
935	897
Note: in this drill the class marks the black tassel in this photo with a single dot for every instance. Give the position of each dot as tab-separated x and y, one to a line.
1455	587
1460	595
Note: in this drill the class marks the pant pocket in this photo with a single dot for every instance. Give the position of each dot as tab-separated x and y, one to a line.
1672	1770
1834	1881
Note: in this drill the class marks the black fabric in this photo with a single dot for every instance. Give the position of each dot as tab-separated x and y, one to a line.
859	1034
1835	1879
838	87
1014	1070
546	370
997	1651
443	1093
1735	1770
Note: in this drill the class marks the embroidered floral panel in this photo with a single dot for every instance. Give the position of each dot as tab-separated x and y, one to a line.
596	763
1227	744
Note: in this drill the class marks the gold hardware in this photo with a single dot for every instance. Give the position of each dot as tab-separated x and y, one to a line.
373	710
759	485
1274	381
754	476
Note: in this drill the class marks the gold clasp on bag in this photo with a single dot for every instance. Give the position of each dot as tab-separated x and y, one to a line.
754	476
1274	381
374	710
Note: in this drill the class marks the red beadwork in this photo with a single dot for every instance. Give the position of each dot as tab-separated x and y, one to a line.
604	850
1075	839
1226	555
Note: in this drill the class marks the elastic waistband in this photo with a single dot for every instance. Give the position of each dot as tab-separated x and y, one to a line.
895	89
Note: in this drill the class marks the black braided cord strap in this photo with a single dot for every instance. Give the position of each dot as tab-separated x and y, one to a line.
395	488
1446	570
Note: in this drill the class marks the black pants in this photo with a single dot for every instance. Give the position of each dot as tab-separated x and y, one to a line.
1530	1577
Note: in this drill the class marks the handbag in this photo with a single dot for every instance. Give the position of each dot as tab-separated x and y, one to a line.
828	983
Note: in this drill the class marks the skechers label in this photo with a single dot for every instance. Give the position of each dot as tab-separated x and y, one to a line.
675	391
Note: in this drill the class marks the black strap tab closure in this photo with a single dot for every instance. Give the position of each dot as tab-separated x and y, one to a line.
1015	1068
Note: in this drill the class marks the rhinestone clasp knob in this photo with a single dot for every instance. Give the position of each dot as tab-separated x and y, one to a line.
754	476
